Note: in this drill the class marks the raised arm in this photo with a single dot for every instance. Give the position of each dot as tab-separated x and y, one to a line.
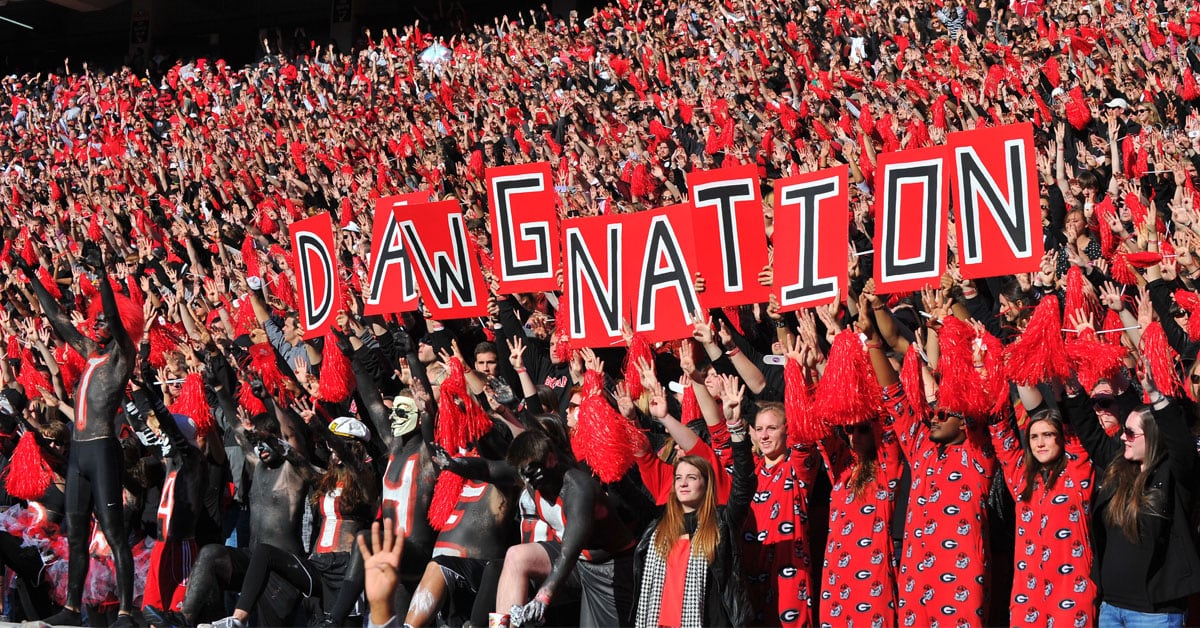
54	314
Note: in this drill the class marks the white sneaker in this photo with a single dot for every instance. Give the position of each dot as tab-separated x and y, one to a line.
228	622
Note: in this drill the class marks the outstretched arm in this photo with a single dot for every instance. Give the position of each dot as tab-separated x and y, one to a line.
54	314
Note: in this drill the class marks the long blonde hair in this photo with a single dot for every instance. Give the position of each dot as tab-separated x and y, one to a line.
671	525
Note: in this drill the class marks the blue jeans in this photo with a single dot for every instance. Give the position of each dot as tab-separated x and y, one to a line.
1111	616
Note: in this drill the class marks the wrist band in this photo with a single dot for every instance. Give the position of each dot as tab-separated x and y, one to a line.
732	352
873	345
520	370
780	324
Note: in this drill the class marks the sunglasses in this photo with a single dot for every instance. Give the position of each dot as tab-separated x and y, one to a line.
1180	313
1194	378
1103	403
1130	434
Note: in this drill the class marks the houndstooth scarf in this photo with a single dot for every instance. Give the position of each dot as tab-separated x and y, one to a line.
694	585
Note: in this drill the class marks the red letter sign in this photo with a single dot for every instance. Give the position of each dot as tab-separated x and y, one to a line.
660	275
996	201
447	268
593	278
388	292
729	211
911	191
810	263
524	227
313	247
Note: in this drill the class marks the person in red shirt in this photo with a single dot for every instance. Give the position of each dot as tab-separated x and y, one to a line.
777	561
686	557
1050	476
944	560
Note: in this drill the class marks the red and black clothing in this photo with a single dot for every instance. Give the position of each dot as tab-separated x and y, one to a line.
777	559
858	584
943	565
1052	567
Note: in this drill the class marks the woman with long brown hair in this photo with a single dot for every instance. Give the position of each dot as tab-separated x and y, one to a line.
1146	563
1049	475
689	558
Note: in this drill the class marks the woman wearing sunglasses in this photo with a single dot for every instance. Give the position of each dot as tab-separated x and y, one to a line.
1050	476
1146	563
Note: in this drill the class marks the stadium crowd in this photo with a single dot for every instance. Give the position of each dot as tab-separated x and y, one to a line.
1015	450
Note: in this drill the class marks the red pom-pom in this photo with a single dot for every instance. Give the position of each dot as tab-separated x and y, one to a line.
337	377
70	365
32	379
848	392
27	251
282	289
94	232
262	363
1075	299
28	473
1122	271
192	403
1190	301
1078	113
1039	355
163	340
960	386
1143	259
248	400
1093	360
639	349
803	424
1161	358
48	282
912	378
445	499
250	258
13	349
458	425
691	406
603	438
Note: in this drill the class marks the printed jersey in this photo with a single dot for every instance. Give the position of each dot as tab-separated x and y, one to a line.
943	566
858	585
1052	583
776	555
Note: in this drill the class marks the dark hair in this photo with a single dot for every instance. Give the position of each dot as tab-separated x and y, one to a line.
1050	471
1131	496
355	477
485	347
530	446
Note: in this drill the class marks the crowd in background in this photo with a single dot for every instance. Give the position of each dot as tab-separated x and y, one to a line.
919	459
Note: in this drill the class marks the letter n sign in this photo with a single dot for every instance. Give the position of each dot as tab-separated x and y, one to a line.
997	215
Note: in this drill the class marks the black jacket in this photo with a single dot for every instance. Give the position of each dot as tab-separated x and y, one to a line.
1172	569
731	605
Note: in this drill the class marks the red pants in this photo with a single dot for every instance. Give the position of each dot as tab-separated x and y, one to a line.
170	565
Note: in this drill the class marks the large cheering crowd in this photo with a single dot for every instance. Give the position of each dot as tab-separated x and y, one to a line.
1015	450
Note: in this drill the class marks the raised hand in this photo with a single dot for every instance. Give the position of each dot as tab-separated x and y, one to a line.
516	349
381	568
